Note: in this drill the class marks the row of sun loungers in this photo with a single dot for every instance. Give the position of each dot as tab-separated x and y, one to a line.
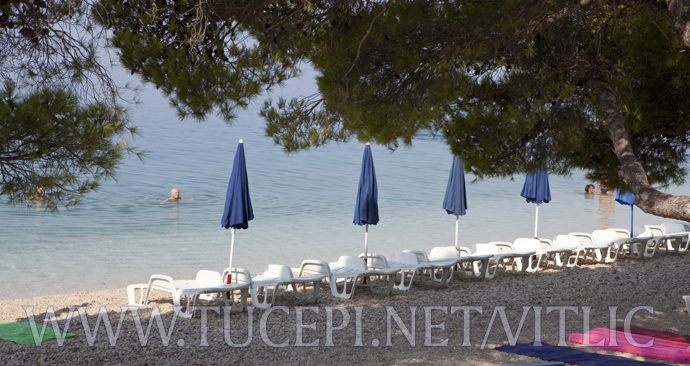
383	274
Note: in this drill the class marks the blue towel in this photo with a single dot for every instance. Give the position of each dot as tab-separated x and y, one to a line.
572	355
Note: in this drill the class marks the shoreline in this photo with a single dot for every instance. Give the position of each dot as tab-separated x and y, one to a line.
658	283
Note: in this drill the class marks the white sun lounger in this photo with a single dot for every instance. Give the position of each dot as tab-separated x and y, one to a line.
602	246
346	271
674	236
264	286
474	264
207	284
511	258
437	266
642	245
378	267
562	251
408	263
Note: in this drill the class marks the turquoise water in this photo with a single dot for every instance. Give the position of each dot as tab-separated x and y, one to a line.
303	206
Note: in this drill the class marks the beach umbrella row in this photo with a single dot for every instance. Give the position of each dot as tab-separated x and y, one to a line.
237	211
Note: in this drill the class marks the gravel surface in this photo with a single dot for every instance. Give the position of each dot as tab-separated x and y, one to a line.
658	283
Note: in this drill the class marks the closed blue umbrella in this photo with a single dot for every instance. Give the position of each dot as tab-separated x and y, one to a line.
367	207
536	190
238	205
455	200
626	198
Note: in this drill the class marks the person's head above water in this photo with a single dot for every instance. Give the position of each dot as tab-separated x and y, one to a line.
175	194
590	188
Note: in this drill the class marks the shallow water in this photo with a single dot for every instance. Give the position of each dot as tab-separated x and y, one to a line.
303	206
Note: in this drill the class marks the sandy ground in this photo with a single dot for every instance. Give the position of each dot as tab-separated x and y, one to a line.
658	283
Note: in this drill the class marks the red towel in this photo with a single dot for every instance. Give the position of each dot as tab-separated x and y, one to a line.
660	349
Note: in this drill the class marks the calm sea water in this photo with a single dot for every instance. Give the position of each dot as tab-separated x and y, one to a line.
303	206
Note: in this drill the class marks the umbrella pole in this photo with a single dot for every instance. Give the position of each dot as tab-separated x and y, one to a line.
457	225
232	250
631	220
366	240
536	222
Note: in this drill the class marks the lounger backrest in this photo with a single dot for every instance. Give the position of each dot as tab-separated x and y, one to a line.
604	237
405	258
503	246
420	254
278	271
463	251
584	239
655	230
443	253
672	227
239	275
210	278
565	242
642	232
546	244
352	262
486	248
523	245
620	233
375	261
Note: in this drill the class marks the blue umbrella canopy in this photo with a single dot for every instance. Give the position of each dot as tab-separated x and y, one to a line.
237	211
455	200
536	190
367	207
626	198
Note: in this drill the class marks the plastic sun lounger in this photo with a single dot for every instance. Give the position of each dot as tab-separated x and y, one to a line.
639	345
378	267
265	286
408	263
511	258
562	251
346	271
476	264
642	245
529	263
437	267
207	285
601	246
674	235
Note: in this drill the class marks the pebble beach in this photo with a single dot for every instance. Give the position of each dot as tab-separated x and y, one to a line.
435	321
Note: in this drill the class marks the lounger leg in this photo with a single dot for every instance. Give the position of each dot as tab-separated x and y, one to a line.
344	293
404	285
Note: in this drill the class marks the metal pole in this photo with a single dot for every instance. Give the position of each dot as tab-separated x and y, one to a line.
232	250
366	240
631	220
536	222
457	224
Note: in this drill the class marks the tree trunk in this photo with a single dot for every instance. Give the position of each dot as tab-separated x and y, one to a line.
631	171
680	14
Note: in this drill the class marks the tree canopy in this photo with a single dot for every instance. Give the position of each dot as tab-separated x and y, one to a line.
512	86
